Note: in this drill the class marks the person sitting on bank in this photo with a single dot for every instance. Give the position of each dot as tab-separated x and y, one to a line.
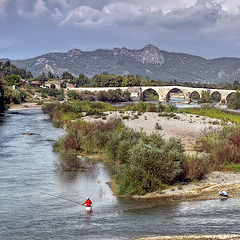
88	203
223	193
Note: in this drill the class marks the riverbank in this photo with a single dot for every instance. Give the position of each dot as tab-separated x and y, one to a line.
206	189
24	106
193	237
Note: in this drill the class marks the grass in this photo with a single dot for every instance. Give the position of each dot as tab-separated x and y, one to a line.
231	167
224	116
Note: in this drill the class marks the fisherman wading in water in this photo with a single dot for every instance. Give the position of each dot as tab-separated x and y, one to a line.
88	205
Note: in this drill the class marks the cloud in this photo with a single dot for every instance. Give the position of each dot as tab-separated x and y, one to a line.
203	13
3	8
57	14
82	15
39	8
62	3
117	14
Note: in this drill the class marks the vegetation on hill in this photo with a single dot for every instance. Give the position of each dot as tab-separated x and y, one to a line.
11	76
7	69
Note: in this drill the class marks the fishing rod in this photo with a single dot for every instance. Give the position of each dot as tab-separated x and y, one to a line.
56	196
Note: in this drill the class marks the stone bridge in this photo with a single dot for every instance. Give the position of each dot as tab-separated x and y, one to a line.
163	92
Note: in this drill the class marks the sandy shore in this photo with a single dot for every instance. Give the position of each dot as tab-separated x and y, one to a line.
24	106
186	127
193	237
206	189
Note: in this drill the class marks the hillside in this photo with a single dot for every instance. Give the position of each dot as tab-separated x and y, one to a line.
149	61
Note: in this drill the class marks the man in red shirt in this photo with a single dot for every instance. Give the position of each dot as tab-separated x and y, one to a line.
88	203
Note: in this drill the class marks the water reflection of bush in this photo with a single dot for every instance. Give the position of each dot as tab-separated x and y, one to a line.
70	177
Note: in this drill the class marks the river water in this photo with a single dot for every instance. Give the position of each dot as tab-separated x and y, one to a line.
27	168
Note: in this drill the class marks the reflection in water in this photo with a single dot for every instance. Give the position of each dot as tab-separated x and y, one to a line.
27	169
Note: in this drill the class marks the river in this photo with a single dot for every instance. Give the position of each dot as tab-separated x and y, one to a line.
27	168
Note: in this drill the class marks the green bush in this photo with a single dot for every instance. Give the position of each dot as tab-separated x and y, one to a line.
161	107
149	167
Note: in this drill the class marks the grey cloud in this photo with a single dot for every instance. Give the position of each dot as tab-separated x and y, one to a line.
115	14
3	6
203	14
39	7
61	3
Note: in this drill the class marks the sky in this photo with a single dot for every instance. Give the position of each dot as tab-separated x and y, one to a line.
207	28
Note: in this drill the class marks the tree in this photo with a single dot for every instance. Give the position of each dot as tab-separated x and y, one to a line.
82	80
50	75
205	98
13	79
234	100
67	75
42	78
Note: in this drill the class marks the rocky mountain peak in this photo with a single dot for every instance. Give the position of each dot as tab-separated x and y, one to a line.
148	54
150	47
74	52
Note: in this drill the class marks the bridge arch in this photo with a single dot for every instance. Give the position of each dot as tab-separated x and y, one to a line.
216	96
175	90
152	91
228	97
195	95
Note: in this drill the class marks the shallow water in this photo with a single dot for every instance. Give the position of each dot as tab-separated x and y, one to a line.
27	169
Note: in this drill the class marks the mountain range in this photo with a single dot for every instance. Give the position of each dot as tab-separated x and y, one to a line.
149	61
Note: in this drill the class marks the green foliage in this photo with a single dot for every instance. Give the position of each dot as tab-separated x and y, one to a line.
205	97
161	107
105	96
138	107
42	78
222	146
67	75
110	80
234	100
150	95
9	96
52	92
7	69
13	79
149	167
171	108
232	167
17	96
81	81
121	142
214	113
